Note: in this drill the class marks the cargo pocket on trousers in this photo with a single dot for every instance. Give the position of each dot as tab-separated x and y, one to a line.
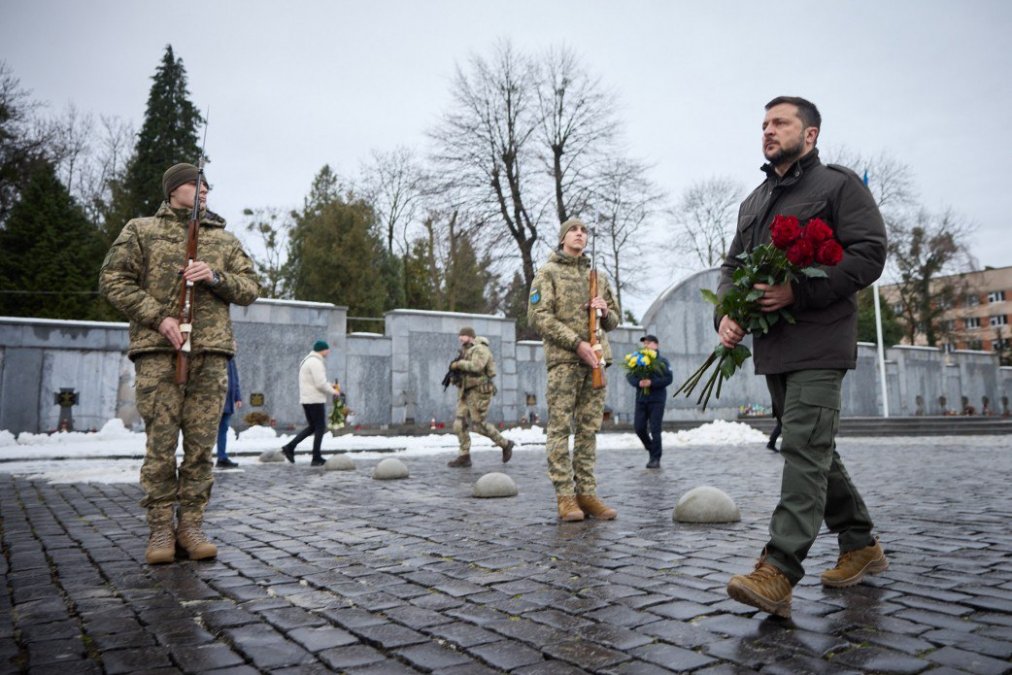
822	411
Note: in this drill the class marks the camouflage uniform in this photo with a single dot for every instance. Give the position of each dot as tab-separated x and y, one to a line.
557	310
477	369
140	277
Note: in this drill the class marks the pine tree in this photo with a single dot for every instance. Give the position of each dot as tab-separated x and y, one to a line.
168	136
335	256
50	254
467	280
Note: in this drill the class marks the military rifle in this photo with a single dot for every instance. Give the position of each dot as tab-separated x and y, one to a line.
188	291
452	376
593	329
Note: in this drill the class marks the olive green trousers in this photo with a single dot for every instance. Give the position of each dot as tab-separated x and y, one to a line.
815	485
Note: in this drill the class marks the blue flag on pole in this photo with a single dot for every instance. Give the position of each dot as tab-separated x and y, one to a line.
866	177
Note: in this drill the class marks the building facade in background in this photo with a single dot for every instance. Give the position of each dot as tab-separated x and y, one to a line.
978	319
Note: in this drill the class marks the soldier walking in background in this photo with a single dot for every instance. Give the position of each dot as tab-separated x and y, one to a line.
476	367
142	277
558	309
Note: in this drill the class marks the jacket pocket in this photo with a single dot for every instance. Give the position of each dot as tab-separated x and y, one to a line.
808	210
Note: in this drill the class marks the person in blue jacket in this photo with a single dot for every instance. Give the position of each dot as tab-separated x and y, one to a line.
650	406
233	401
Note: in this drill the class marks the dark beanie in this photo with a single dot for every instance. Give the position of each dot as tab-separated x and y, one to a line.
176	175
568	225
320	346
468	331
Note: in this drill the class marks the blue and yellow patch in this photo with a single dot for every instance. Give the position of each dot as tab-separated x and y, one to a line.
535	296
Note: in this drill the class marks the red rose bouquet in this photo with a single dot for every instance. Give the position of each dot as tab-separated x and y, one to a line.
792	251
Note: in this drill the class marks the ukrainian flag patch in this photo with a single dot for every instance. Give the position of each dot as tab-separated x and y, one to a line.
535	296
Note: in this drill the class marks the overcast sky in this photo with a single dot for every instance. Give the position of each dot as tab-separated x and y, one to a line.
293	86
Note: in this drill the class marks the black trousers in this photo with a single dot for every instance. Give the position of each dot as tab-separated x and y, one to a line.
316	416
649	416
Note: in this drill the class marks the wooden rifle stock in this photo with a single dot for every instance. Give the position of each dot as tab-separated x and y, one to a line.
188	291
597	375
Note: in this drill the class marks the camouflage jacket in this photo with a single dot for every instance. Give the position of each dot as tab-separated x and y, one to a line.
557	307
476	364
140	277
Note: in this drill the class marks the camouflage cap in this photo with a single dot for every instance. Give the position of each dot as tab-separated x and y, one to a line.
568	225
468	331
176	175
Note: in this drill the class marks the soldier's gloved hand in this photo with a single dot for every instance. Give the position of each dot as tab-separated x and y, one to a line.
453	365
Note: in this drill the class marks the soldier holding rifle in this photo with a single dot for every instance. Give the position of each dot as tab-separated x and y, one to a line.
572	316
174	276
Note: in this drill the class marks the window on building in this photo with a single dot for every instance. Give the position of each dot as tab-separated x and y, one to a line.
999	345
898	309
947	326
971	322
998	320
974	344
945	303
972	300
996	296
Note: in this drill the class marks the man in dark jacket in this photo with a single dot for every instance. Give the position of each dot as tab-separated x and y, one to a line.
804	362
651	395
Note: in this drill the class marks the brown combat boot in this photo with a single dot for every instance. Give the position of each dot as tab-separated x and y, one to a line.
192	539
593	506
462	462
161	544
568	510
853	566
766	587
507	452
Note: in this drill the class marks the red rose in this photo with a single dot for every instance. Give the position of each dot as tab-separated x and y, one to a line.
801	253
818	231
829	253
784	231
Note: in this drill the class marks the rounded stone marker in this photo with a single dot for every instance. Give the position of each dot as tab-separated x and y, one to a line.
706	504
390	468
271	456
495	484
339	463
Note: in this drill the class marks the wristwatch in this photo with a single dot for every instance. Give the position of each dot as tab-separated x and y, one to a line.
215	278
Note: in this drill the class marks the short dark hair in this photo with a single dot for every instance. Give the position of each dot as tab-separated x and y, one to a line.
807	111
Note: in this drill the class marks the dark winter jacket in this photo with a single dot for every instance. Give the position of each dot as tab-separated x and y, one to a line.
659	382
825	310
233	395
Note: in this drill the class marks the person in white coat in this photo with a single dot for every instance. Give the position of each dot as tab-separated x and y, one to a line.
314	389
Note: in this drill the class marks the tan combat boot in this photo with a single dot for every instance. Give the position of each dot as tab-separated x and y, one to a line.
161	545
568	510
766	587
192	539
853	566
593	506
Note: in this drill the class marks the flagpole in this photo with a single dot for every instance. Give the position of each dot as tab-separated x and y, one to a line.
878	336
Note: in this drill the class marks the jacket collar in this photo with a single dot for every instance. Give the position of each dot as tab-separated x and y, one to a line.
795	171
577	260
209	218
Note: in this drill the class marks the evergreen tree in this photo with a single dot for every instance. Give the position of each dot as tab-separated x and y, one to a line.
467	280
168	136
892	331
50	254
335	256
420	288
515	301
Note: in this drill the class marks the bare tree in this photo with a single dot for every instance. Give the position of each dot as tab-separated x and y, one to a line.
625	205
891	181
394	183
924	249
578	130
485	148
271	227
21	139
706	217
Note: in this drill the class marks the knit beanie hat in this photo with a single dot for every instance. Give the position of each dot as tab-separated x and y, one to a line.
468	331
568	225
320	346
176	175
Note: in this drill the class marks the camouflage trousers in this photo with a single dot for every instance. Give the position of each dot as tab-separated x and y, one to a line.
167	408
574	406
472	408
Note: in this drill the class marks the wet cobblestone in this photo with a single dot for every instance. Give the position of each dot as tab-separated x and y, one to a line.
334	572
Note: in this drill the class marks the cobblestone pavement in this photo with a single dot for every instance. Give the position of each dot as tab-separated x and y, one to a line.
333	571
